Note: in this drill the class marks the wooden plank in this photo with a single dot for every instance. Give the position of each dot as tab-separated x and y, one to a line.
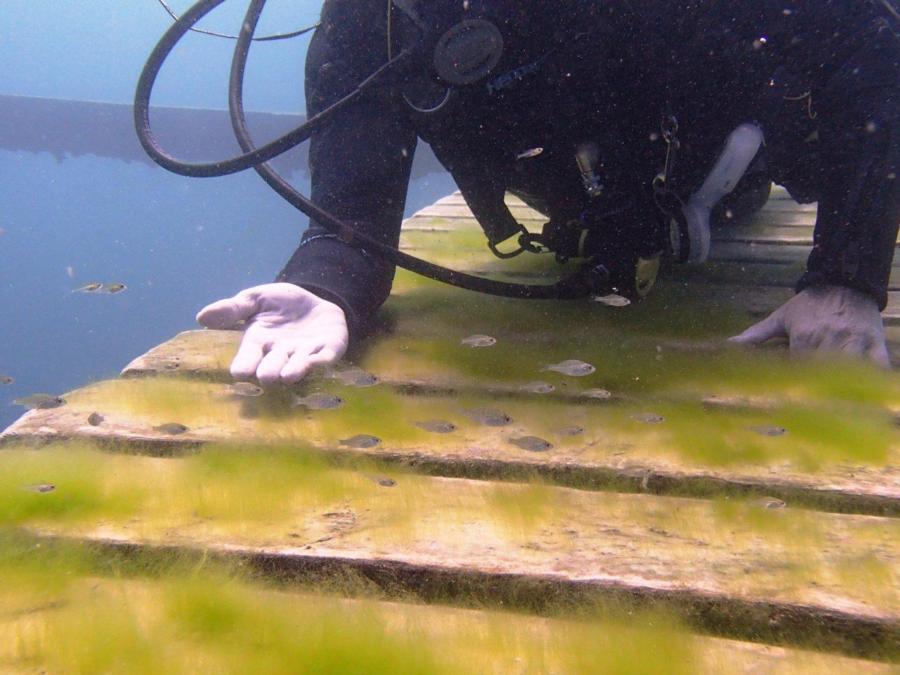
741	570
854	472
386	635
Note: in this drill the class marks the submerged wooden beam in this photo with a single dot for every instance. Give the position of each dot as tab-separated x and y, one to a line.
741	570
612	450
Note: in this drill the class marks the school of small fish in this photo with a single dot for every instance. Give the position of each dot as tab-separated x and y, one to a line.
479	341
40	401
538	388
98	287
318	401
572	368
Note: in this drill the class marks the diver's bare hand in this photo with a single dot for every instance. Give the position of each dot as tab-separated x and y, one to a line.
827	319
288	331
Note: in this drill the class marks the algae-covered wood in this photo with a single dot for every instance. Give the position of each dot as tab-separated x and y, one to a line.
164	625
737	568
595	443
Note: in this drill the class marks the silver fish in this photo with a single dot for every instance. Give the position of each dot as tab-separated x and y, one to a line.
488	416
361	441
766	430
612	300
245	389
355	377
648	418
437	426
531	443
6	379
95	419
92	287
538	388
40	401
116	287
479	341
600	394
319	401
171	428
42	488
572	368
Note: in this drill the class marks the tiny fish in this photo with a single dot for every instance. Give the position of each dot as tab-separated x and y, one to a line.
355	377
245	389
116	287
92	287
538	388
383	481
479	341
171	428
437	426
766	430
769	503
571	367
43	488
571	431
488	416
319	401
600	394
531	443
612	300
528	154
40	401
95	419
6	379
648	418
361	441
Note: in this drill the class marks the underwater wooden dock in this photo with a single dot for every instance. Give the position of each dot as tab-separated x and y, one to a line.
752	500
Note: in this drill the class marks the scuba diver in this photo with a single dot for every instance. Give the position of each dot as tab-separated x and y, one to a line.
624	123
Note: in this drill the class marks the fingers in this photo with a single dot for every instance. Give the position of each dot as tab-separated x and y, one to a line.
770	327
269	370
247	360
225	314
305	360
878	353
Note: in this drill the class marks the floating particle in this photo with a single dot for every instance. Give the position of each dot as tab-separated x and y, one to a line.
531	443
479	341
488	416
95	419
6	379
92	287
572	367
537	388
247	389
171	428
599	394
571	431
70	271
437	426
115	287
319	401
612	300
648	418
40	401
361	441
768	430
42	488
355	377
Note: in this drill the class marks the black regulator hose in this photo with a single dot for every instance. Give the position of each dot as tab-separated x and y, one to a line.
571	287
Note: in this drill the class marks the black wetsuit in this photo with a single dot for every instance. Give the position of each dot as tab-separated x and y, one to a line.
820	77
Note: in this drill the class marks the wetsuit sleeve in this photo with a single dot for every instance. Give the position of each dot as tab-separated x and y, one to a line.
859	129
359	163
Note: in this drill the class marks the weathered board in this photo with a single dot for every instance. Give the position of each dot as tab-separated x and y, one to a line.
743	570
437	639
